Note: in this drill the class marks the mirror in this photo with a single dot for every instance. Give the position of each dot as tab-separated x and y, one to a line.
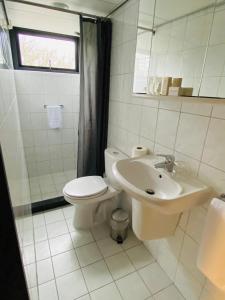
181	39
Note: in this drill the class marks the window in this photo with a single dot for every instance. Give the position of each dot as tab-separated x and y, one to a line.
38	50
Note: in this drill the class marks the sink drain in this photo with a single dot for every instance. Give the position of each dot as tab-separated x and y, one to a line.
150	191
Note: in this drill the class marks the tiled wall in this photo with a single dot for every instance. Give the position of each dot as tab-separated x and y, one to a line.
48	150
50	153
12	146
192	130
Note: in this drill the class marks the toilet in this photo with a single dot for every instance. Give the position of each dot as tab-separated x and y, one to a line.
94	196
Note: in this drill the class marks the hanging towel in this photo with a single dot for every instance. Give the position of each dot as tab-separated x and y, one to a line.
54	116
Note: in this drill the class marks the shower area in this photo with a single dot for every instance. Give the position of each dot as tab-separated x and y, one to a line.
50	153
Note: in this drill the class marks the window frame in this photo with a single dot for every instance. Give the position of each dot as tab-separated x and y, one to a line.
16	54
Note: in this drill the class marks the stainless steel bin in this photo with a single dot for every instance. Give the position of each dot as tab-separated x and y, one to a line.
119	225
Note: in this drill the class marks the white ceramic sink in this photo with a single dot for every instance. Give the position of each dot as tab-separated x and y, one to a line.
170	194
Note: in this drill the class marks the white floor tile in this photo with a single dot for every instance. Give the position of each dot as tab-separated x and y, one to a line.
40	234
96	275
109	247
155	278
33	292
28	237
81	237
44	271
69	223
28	255
131	240
60	244
88	254
38	220
27	223
169	293
140	256
48	291
56	229
119	265
101	232
42	250
68	211
132	287
65	263
31	275
109	292
71	286
53	216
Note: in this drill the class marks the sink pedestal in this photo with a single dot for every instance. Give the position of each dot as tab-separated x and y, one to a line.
148	223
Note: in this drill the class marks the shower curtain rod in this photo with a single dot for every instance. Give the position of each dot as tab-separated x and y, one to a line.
68	11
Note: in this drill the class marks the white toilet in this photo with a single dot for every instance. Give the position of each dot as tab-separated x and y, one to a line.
88	194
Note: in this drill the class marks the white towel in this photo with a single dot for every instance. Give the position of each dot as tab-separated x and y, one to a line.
54	116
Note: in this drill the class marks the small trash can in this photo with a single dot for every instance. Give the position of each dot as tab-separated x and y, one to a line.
119	225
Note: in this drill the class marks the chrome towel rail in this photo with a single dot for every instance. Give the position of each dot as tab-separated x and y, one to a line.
45	105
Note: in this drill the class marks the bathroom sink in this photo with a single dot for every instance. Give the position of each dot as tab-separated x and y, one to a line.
170	193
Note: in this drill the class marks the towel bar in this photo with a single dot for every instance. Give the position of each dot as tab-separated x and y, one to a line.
45	105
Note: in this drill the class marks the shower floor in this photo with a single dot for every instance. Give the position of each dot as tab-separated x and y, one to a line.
50	185
89	265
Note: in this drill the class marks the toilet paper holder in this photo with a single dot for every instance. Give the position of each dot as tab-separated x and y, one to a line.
222	197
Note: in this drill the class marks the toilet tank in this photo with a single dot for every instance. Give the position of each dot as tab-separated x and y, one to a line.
111	156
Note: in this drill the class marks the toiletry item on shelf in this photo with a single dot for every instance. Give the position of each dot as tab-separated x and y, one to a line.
166	83
211	258
150	86
154	85
186	91
176	82
157	85
175	91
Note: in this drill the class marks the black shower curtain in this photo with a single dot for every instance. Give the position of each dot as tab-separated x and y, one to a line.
95	49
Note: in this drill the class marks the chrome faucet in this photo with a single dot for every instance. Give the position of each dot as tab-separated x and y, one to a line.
168	164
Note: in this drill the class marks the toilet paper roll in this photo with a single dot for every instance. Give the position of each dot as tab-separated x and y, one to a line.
139	151
211	256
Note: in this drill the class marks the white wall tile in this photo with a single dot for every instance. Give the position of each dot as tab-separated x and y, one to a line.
34	90
166	135
148	122
191	135
193	107
214	155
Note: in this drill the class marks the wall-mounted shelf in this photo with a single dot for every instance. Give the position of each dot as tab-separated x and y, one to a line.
182	99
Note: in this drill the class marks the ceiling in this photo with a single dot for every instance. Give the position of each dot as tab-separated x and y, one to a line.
33	17
97	7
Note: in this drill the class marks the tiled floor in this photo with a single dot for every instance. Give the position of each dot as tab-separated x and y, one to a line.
88	265
50	185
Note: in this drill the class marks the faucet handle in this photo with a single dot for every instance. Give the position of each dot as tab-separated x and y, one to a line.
168	157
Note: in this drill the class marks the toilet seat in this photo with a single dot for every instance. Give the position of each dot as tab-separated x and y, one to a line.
85	187
101	191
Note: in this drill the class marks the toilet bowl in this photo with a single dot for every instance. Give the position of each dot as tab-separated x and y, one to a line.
94	196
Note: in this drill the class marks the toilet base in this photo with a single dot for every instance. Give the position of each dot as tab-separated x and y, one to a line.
89	215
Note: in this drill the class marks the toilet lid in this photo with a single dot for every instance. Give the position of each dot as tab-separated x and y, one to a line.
84	187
